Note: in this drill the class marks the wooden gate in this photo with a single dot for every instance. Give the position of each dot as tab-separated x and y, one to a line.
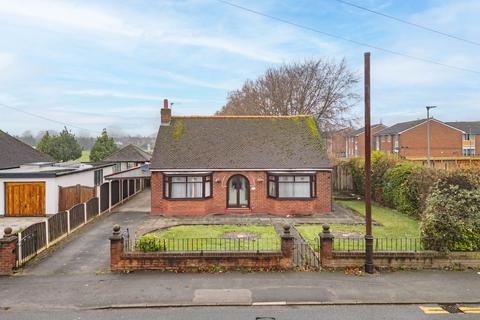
73	195
25	199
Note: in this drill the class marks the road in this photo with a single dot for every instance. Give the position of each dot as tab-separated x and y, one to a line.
365	312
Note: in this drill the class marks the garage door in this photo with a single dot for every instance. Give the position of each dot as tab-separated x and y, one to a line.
25	199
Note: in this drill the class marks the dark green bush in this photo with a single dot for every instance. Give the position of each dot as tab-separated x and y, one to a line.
381	163
394	184
451	221
151	243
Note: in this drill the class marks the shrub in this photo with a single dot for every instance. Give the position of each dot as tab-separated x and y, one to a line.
357	167
381	163
394	184
151	242
451	220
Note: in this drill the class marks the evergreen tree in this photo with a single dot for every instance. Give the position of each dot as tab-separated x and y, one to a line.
103	147
64	147
45	143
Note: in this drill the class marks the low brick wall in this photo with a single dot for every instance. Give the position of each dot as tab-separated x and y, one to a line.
409	260
200	261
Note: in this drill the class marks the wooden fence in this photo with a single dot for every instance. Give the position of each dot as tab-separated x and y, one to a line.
39	236
71	196
342	179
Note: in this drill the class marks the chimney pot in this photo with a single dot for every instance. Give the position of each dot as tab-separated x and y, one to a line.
165	103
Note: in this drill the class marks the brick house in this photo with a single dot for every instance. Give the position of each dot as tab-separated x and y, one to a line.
355	142
336	142
239	164
447	139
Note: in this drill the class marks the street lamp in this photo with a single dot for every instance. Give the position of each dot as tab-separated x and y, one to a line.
428	133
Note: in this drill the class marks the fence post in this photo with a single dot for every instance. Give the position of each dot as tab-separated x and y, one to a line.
116	248
287	245
68	221
109	196
326	246
85	213
7	252
47	235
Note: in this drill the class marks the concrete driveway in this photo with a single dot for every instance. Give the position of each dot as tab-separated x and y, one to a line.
88	251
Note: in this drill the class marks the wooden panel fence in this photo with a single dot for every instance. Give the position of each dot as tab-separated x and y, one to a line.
92	208
115	192
73	195
342	179
124	189
57	225
104	196
131	187
30	241
77	216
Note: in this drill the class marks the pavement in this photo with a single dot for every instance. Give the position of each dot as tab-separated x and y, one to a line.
367	312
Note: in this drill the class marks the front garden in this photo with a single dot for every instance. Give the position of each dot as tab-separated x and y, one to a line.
211	238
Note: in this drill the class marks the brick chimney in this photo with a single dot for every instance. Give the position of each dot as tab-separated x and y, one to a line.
165	114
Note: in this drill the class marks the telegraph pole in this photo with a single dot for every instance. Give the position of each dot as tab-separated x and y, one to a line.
369	267
428	133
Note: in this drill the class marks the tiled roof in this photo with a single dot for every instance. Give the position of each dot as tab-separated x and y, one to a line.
243	142
361	130
14	152
129	153
471	127
399	127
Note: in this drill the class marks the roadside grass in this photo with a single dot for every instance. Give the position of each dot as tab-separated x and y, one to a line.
393	224
85	156
210	238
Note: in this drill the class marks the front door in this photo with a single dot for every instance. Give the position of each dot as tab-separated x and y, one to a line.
238	194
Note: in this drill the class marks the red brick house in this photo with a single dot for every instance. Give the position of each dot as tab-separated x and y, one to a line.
336	142
239	164
447	139
355	142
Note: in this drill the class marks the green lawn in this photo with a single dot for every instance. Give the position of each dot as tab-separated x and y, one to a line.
210	238
393	225
85	156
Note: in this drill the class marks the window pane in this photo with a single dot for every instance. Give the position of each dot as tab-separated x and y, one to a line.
301	190
208	189
194	190
286	178
178	179
166	189
272	192
178	190
194	179
302	178
285	190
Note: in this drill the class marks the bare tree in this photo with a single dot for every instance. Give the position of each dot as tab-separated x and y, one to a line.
322	88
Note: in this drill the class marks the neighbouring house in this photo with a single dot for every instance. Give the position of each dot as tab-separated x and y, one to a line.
44	188
447	139
355	142
336	142
128	157
14	153
239	164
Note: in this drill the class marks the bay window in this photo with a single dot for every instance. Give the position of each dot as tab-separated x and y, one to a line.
291	186
188	187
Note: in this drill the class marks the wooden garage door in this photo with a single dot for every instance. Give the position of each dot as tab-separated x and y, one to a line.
25	199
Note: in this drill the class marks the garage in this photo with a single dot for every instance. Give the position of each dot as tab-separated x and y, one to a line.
24	199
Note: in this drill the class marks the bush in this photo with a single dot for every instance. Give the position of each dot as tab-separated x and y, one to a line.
381	163
394	184
451	220
151	243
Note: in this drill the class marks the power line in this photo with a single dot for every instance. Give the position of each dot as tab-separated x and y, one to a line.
408	22
364	44
44	118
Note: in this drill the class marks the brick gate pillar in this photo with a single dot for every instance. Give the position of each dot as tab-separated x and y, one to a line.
287	243
326	246
8	258
116	248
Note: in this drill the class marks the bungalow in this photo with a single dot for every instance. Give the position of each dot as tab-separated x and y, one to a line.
128	157
239	164
14	153
43	188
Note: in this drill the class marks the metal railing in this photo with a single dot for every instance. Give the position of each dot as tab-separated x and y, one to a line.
404	244
146	244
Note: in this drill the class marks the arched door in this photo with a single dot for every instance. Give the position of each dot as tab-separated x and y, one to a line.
238	193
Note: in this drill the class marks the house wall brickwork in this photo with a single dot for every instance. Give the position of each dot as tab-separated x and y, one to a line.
7	253
359	142
444	141
259	202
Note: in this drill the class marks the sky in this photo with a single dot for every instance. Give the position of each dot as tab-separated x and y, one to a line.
110	64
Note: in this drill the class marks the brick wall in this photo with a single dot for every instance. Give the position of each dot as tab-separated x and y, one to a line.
7	253
444	141
259	202
360	142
